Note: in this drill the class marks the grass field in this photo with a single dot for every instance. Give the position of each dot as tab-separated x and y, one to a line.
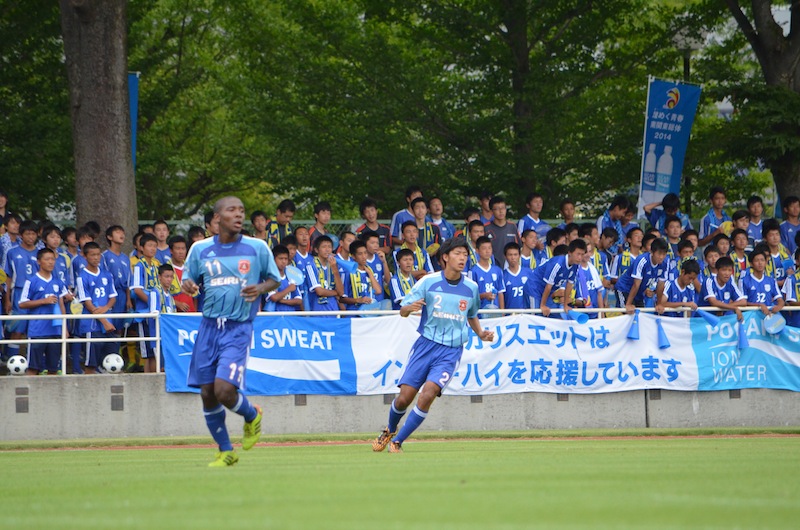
648	482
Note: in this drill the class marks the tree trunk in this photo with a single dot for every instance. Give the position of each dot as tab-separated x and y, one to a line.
95	47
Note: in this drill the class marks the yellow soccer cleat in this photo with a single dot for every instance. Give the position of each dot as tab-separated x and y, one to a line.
395	447
224	459
383	439
252	431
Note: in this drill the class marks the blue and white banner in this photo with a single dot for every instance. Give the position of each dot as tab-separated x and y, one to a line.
671	108
301	355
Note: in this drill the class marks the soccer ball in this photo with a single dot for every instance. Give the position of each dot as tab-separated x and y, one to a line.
17	365
113	363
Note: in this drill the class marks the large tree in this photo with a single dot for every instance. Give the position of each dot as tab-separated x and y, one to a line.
95	37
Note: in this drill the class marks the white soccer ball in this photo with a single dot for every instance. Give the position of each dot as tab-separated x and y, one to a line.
17	365
113	363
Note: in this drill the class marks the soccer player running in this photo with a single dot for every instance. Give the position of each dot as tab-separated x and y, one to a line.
234	271
449	303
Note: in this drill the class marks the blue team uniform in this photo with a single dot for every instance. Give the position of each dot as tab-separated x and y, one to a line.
397	222
764	291
399	287
62	269
515	297
788	231
537	225
710	222
443	328
727	293
144	277
356	285
605	221
489	281
554	272
119	266
21	264
791	292
528	262
779	265
222	270
422	261
78	264
642	269
657	216
446	229
377	269
99	289
754	234
163	256
319	274
674	293
275	306
43	356
589	287
301	262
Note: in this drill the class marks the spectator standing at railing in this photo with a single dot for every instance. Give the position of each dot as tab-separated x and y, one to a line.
183	302
43	293
761	289
515	276
711	223
10	238
287	296
143	280
446	229
21	264
324	283
721	292
681	291
281	227
488	276
161	231
234	271
791	293
360	286
376	260
96	291
402	282
638	285
369	212
449	304
322	216
118	264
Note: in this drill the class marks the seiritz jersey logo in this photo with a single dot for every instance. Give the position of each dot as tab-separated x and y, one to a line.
462	305
673	98
244	266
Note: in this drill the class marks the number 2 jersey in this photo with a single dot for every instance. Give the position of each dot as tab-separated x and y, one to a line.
222	270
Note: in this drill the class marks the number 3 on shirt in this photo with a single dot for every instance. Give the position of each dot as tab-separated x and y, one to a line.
236	368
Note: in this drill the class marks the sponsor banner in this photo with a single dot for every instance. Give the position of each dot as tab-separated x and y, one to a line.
308	355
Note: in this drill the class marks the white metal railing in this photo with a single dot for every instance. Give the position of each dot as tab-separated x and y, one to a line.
65	340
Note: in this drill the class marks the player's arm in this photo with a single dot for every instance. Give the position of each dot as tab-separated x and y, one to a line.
629	305
278	296
483	334
548	287
27	303
567	295
730	306
779	302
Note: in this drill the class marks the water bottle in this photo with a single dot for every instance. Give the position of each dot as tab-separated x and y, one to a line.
664	170
649	176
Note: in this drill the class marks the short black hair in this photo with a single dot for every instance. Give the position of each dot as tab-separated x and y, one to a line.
470	211
561	250
403	252
685	243
171	242
620	201
586	229
407	224
165	267
355	245
658	245
714	190
497	199
45	250
49	229
756	252
367	203
740	214
724	261
571	227
754	199
322	239
286	205
690	266
258	213
709	249
769	225
610	232
670	202
482	240
28	226
146	238
577	244
366	235
289	240
417	201
411	190
322	206
280	250
788	201
448	246
669	219
553	235
472	224
510	246
91	245
110	231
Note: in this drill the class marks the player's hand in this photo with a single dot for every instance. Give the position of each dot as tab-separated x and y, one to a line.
739	315
381	255
190	288
69	297
108	326
417	306
486	335
649	293
332	259
250	293
764	309
630	309
364	300
545	311
98	310
660	309
182	307
51	299
292	288
693	305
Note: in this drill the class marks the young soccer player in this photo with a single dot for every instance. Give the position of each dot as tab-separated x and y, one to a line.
567	211
285	297
708	268
556	270
589	289
51	237
623	261
84	236
449	303
791	226
360	286
779	264
428	233
259	220
161	231
500	231
343	252
475	230
161	300
303	255
529	242
710	223
96	291
376	260
722	292
572	231
672	235
235	272
183	302
628	222
43	294
612	218
10	238
680	292
555	237
755	207
738	253
670	205
487	276
143	280
322	216
534	202
323	280
515	276
369	212
118	264
485	198
759	288
21	264
791	293
446	229
637	286
404	215
281	226
402	282
422	262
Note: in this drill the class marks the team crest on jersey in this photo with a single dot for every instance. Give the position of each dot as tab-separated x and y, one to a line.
462	305
244	266
767	287
105	281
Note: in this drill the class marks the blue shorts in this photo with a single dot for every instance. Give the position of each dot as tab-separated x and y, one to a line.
44	356
220	352
430	361
147	329
96	352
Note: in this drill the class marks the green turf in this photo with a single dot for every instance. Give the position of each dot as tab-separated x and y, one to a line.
652	482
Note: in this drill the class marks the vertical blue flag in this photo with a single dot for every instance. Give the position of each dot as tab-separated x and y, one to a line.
133	107
671	108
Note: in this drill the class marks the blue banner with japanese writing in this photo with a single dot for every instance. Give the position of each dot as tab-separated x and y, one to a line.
297	355
671	108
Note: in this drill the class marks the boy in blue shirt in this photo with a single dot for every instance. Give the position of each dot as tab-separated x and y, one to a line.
722	292
670	205
548	277
20	265
96	291
791	226
791	293
369	212
161	231
118	264
712	221
422	262
286	297
402	282
323	281
376	260
449	304
360	286
534	202
143	280
680	292
638	285
755	207
760	288
235	271
43	294
488	277
515	276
